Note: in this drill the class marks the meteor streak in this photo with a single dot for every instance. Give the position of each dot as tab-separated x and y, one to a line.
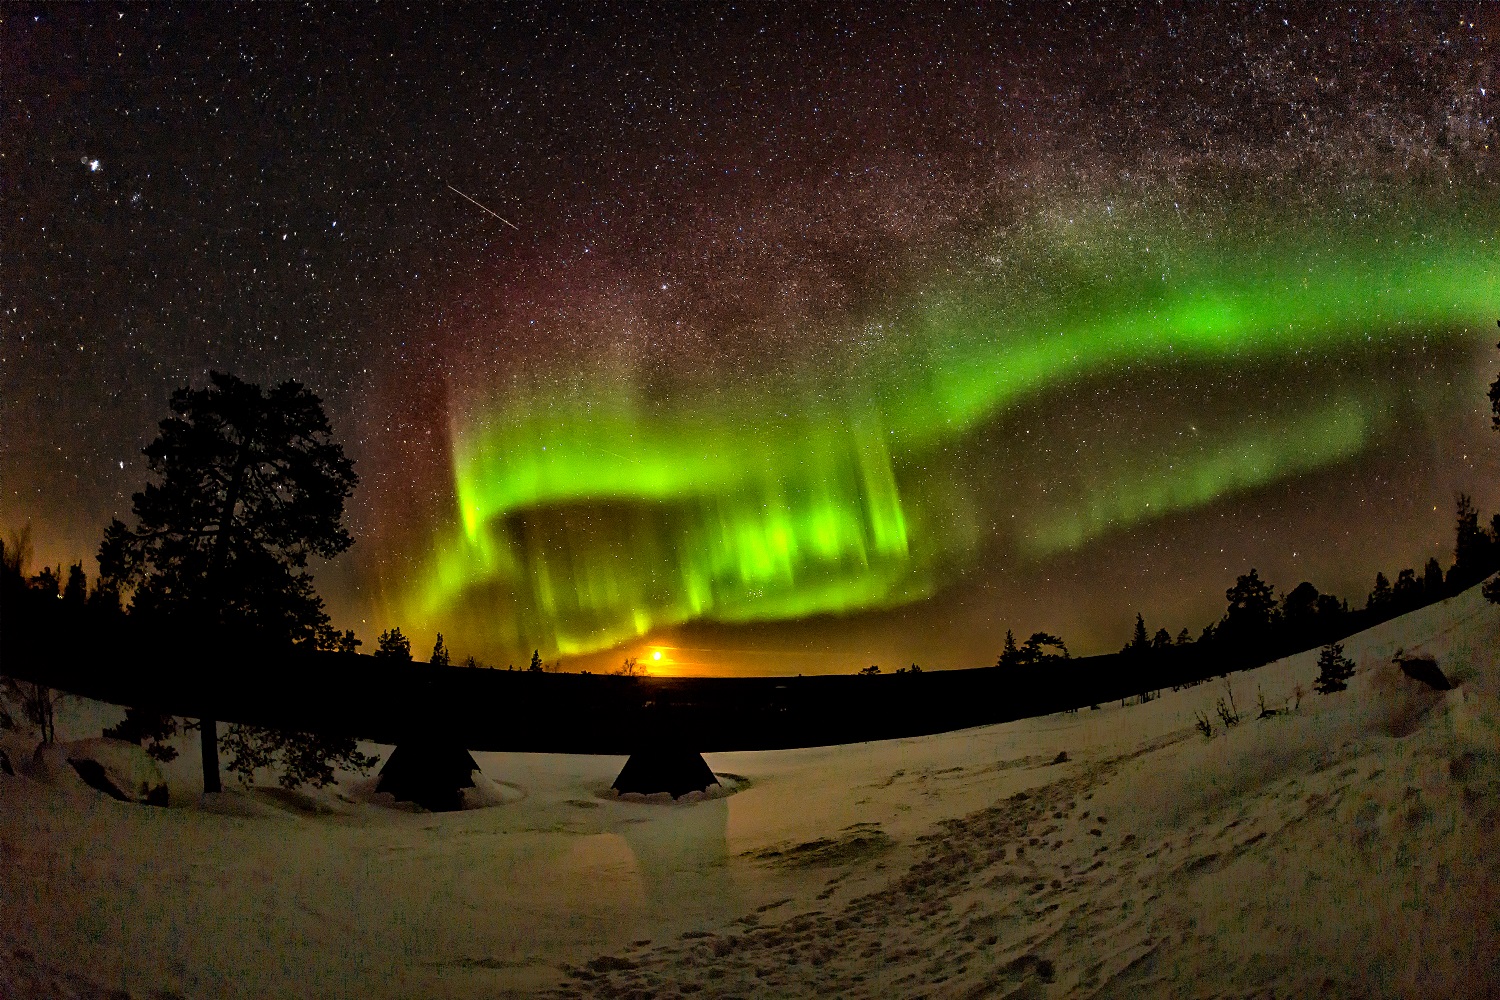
487	209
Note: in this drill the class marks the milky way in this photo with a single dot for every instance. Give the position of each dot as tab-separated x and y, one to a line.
822	339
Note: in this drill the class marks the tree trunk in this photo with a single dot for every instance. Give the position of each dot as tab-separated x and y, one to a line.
209	728
209	734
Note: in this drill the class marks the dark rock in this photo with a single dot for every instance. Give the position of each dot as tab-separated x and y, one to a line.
93	774
431	774
1061	758
611	963
676	772
1425	669
121	770
1041	967
5	767
1464	766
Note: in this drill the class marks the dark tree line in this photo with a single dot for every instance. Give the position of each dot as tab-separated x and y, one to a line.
246	487
1492	589
52	603
1257	627
1260	625
1039	647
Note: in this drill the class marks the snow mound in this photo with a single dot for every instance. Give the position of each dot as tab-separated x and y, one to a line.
485	793
235	802
727	784
488	792
116	768
1321	845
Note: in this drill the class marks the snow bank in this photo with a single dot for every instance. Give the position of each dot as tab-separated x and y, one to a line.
1347	847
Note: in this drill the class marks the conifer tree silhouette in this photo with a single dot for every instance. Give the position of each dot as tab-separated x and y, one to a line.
248	485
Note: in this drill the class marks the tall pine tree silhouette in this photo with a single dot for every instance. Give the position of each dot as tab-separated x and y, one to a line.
249	485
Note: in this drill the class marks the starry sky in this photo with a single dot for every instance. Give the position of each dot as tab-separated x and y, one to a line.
772	341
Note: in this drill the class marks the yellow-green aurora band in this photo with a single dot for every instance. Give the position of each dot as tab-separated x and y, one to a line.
598	509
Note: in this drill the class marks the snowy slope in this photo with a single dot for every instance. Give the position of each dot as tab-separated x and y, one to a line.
1347	848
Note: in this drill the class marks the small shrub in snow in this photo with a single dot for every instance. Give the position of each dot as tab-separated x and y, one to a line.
1204	726
1334	669
1265	712
1228	713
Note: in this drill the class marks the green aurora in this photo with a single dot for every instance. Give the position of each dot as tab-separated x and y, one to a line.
611	505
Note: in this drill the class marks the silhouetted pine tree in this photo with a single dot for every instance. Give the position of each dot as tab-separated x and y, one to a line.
1334	669
1380	595
1473	548
1407	593
250	485
1300	605
1032	649
1432	579
1009	654
1140	641
76	590
48	582
439	653
1331	608
1250	620
392	645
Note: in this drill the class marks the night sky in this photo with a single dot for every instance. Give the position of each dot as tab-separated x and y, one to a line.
776	341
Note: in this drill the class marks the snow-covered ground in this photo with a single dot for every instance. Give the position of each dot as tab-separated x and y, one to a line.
1348	848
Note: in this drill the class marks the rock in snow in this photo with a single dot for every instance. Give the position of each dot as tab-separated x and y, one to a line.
1425	669
117	768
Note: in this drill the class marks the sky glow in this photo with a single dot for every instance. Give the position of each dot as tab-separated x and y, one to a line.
800	338
602	513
